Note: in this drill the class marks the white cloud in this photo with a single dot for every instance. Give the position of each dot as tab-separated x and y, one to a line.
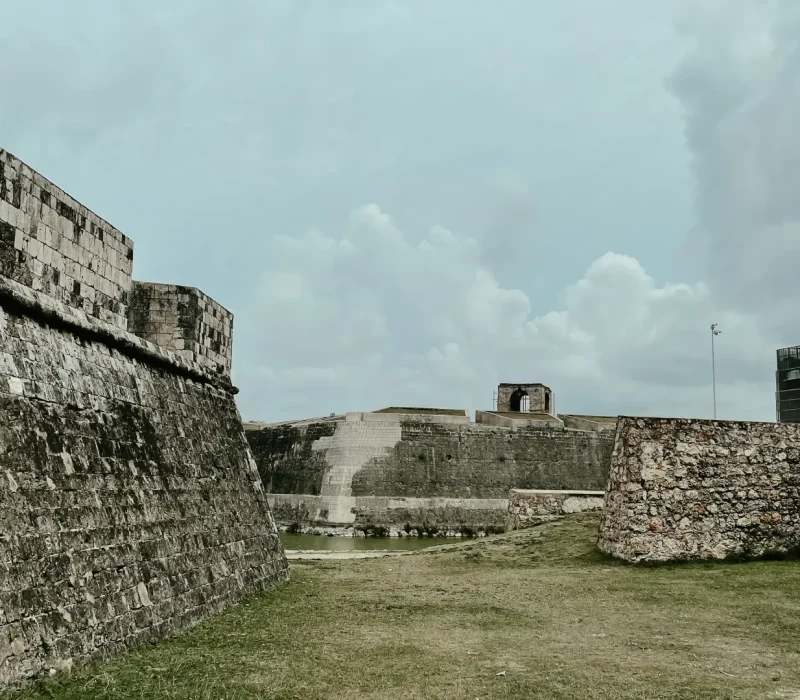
739	86
200	130
368	318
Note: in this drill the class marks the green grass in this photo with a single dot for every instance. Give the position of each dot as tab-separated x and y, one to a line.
423	411
541	605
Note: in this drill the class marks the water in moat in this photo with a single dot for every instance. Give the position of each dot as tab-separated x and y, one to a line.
358	544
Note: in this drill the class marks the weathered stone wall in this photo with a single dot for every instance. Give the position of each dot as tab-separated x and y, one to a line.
130	504
52	243
527	507
697	489
483	462
419	457
291	458
184	320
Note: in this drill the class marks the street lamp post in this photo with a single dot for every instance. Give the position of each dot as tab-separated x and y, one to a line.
714	331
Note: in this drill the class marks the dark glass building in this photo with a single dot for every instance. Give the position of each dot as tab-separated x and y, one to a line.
787	385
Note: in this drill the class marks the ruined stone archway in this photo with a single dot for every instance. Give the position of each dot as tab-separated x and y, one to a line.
517	399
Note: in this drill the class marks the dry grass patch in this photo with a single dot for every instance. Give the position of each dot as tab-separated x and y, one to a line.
541	607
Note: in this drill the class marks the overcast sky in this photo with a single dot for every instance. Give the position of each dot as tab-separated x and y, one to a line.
405	202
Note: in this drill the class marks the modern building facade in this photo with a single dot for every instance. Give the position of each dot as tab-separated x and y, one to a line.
787	385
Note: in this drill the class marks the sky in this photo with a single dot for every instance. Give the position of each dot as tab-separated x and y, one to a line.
406	202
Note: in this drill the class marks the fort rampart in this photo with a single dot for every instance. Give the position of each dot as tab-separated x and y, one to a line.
388	469
130	504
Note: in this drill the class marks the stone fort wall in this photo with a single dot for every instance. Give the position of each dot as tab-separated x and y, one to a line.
700	489
185	321
366	467
130	505
53	244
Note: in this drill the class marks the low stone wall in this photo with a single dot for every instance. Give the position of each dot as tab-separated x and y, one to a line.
433	418
528	507
521	423
699	489
584	423
291	458
446	514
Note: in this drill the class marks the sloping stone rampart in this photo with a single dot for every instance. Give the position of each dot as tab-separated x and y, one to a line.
420	460
476	461
701	489
130	504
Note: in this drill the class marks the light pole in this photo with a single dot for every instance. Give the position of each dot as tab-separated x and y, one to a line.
714	331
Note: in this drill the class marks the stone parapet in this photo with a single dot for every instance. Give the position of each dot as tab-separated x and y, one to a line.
520	421
39	305
586	423
185	321
434	418
55	245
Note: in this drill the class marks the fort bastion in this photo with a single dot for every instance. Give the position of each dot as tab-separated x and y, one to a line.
436	468
130	504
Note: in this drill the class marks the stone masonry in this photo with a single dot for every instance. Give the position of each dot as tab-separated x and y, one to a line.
52	243
700	489
529	507
385	468
540	397
184	320
130	504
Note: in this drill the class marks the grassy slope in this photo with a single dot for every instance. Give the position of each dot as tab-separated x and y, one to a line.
541	605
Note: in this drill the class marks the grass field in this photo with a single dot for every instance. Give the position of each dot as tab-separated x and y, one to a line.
540	607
